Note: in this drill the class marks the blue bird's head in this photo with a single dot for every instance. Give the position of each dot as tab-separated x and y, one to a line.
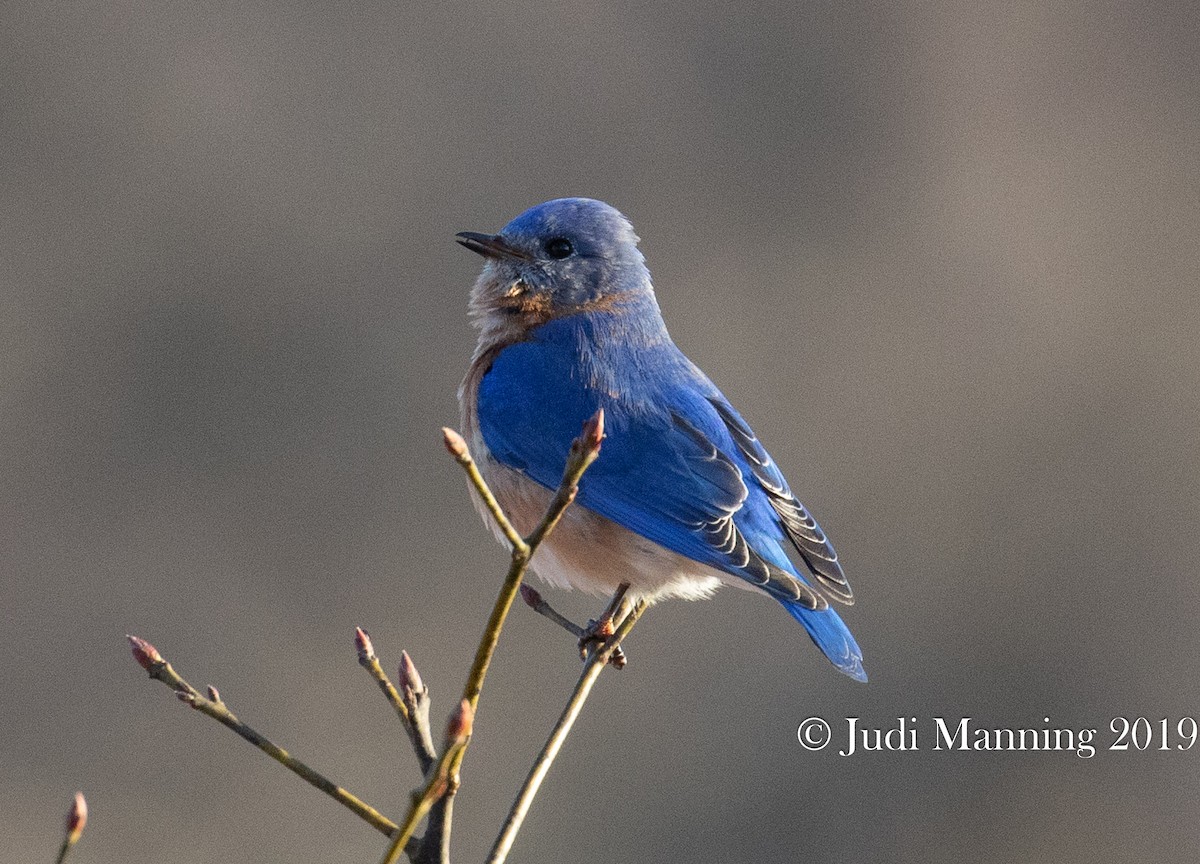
563	257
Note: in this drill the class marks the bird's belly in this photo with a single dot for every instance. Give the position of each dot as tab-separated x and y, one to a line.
589	552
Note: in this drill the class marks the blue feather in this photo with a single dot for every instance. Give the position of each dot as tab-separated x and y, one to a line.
679	465
833	637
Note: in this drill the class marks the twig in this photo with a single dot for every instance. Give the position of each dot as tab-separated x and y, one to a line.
596	662
410	699
600	629
614	604
76	820
415	695
457	446
435	845
584	451
149	659
442	779
538	604
412	707
434	799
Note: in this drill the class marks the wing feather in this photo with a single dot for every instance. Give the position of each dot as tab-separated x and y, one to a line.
679	467
799	525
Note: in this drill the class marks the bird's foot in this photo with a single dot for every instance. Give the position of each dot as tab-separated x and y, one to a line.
600	630
595	634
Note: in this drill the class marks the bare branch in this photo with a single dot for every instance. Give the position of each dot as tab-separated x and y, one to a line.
441	780
149	659
412	707
584	451
435	846
410	700
538	604
458	449
596	661
416	698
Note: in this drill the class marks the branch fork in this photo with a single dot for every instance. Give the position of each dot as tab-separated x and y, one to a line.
599	643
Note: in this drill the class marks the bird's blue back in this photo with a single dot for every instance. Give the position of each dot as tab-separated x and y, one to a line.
679	466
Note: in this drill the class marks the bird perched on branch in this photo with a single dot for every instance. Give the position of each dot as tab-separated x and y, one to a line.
684	497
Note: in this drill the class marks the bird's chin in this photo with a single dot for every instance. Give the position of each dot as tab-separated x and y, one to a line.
501	302
533	309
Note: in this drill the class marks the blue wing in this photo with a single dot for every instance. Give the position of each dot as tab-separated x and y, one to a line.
679	467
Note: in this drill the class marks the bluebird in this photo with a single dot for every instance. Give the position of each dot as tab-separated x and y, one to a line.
683	498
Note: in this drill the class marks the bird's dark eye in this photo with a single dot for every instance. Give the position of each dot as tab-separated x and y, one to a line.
559	247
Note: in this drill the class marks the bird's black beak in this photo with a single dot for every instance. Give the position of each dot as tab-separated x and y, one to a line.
490	246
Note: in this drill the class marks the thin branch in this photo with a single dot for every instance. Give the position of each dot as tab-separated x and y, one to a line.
457	446
596	662
435	845
416	699
614	603
149	659
410	699
538	604
599	630
412	708
442	780
434	799
584	451
76	821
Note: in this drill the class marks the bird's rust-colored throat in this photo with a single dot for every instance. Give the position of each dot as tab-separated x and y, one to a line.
534	308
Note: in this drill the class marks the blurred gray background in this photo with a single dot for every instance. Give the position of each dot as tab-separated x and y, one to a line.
942	256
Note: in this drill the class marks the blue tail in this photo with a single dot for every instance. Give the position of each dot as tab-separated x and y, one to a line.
833	638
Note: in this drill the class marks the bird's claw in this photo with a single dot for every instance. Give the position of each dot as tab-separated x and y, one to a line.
595	634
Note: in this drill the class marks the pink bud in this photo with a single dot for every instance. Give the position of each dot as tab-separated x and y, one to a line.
454	443
366	651
410	678
76	818
461	721
530	595
144	653
593	430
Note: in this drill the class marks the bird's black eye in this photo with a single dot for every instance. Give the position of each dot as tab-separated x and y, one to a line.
559	247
